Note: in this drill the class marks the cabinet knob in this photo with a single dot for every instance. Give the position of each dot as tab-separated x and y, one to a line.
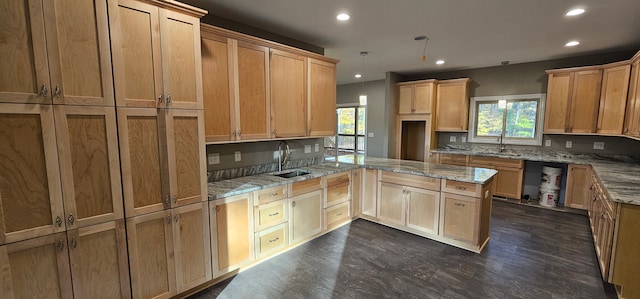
44	90
168	219
175	199
57	92
175	218
71	219
60	245
160	98
58	221
74	242
239	133
168	99
293	204
166	201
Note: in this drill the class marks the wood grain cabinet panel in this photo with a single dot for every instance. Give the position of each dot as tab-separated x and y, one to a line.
458	218
356	192
270	214
559	89
253	99
337	215
288	94
585	99
217	87
306	216
99	261
452	105
416	97
423	210
369	200
632	119
391	203
89	164
30	190
272	240
578	186
36	268
322	98
613	99
192	245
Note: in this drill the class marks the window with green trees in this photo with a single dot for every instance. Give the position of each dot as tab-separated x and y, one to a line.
351	130
513	119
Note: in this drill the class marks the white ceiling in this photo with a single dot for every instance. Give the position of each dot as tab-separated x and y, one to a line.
465	33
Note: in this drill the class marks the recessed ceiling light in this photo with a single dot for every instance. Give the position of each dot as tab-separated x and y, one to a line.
343	17
575	12
440	61
358	75
572	43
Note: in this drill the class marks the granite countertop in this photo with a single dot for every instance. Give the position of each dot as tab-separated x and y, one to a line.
245	184
619	174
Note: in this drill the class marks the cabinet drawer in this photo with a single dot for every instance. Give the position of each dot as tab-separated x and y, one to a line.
272	240
339	178
490	162
454	159
271	194
305	186
270	214
462	188
337	215
410	180
460	218
337	194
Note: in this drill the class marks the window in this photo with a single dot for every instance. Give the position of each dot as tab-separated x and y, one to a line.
514	119
351	130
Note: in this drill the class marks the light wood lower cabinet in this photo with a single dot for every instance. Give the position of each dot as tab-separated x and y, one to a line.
192	245
356	192
369	202
391	203
337	215
232	234
306	216
508	182
578	186
272	240
270	214
459	216
423	210
337	198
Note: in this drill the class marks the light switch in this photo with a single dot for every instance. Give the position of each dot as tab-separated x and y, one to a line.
598	145
307	148
452	138
214	158
238	156
568	144
371	135
317	147
463	139
547	142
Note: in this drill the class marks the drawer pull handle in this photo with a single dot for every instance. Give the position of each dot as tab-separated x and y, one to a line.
74	243
459	204
276	239
274	214
274	194
60	245
339	214
461	188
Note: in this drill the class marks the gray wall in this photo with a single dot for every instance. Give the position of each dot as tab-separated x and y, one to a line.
263	152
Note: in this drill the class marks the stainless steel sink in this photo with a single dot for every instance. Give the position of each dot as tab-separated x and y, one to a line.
292	174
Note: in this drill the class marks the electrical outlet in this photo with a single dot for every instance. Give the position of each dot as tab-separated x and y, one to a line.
317	147
238	156
371	135
568	144
547	142
307	148
452	138
464	139
214	158
598	145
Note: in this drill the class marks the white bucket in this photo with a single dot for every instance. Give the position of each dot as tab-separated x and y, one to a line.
548	197
551	178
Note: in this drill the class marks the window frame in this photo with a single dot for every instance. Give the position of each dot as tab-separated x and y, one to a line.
355	134
473	118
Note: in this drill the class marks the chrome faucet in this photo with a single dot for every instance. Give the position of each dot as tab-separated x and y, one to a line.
501	143
283	154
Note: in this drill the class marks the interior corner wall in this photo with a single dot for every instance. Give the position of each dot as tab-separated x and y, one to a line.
392	111
377	119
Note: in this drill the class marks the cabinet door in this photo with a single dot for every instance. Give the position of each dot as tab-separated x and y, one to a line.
452	105
585	99
252	93
306	216
632	120
578	185
137	65
192	245
181	60
509	182
219	110
140	159
36	268
356	191
30	193
405	99
370	192
423	100
459	218
558	102
99	261
185	147
391	203
423	210
151	256
24	71
613	99
231	233
272	240
322	98
79	52
270	214
89	164
337	194
288	94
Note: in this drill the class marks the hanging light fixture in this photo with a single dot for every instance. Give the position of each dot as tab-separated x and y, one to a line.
363	96
424	50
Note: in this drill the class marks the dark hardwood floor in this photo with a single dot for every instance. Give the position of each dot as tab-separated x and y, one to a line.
533	253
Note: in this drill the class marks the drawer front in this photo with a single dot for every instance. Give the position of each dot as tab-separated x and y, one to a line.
272	240
462	188
337	215
460	218
271	194
337	194
270	214
306	186
338	178
453	159
410	180
490	162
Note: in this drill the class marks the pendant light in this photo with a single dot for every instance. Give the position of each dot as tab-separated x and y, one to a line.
424	50
363	96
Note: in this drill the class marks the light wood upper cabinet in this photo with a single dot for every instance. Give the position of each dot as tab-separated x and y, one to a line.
306	216
151	255
557	105
578	185
417	97
632	119
99	261
321	82
64	53
156	55
452	105
252	98
36	268
192	245
217	85
613	98
89	164
232	236
288	94
30	192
